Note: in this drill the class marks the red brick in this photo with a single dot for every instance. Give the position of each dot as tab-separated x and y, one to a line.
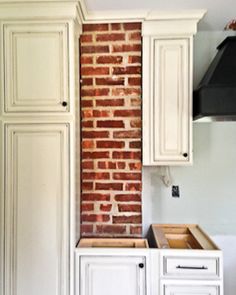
111	229
94	71
95	155
102	113
134	81
135	36
94	49
110	81
109	59
135	166
110	102
87	113
88	144
133	187
127	113
115	27
95	197
95	134
95	27
128	198
86	228
87	165
134	59
135	102
87	207
126	91
135	145
126	176
127	48
95	92
86	60
110	144
95	175
110	124
126	155
87	124
87	186
129	70
86	103
107	165
136	123
136	230
95	218
109	186
87	81
110	37
127	134
129	208
121	165
132	26
86	38
106	207
133	219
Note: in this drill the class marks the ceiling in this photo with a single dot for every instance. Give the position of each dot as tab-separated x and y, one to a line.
219	12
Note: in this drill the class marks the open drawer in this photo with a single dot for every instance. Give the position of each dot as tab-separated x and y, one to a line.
181	236
112	243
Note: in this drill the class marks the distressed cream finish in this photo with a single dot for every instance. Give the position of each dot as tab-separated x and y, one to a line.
167	91
39	69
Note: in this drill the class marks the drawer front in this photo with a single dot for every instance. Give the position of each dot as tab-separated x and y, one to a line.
196	267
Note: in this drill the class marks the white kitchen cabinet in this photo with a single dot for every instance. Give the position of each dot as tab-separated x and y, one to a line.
36	66
190	289
39	69
37	209
167	91
105	275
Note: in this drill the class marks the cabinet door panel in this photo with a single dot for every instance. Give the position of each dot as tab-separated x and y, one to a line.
112	275
36	67
171	100
37	209
191	290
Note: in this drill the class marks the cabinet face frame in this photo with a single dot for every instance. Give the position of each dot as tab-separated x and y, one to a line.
26	34
159	148
62	131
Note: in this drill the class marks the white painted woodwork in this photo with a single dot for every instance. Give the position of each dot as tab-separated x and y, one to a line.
105	275
36	66
37	209
191	290
1	208
167	91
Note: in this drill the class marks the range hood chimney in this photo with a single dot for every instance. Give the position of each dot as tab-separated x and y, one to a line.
215	97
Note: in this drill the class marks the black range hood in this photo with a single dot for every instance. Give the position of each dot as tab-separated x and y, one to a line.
215	97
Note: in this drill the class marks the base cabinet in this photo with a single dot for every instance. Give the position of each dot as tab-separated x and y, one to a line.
106	275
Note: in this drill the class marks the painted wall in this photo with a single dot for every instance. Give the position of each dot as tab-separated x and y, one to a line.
208	188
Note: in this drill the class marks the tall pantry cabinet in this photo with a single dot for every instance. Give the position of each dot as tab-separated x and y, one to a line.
39	96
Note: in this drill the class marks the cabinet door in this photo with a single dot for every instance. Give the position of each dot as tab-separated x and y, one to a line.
191	290
167	101
36	209
36	67
112	275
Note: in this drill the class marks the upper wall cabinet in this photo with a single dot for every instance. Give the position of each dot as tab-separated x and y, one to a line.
36	67
167	91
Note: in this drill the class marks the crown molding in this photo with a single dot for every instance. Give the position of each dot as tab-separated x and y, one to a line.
136	15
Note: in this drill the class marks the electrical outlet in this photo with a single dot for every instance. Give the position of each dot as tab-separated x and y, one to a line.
175	191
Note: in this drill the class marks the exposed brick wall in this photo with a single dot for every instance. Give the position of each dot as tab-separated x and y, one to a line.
111	130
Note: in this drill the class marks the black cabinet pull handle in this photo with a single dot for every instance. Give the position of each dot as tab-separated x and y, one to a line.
185	155
64	103
141	265
191	267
